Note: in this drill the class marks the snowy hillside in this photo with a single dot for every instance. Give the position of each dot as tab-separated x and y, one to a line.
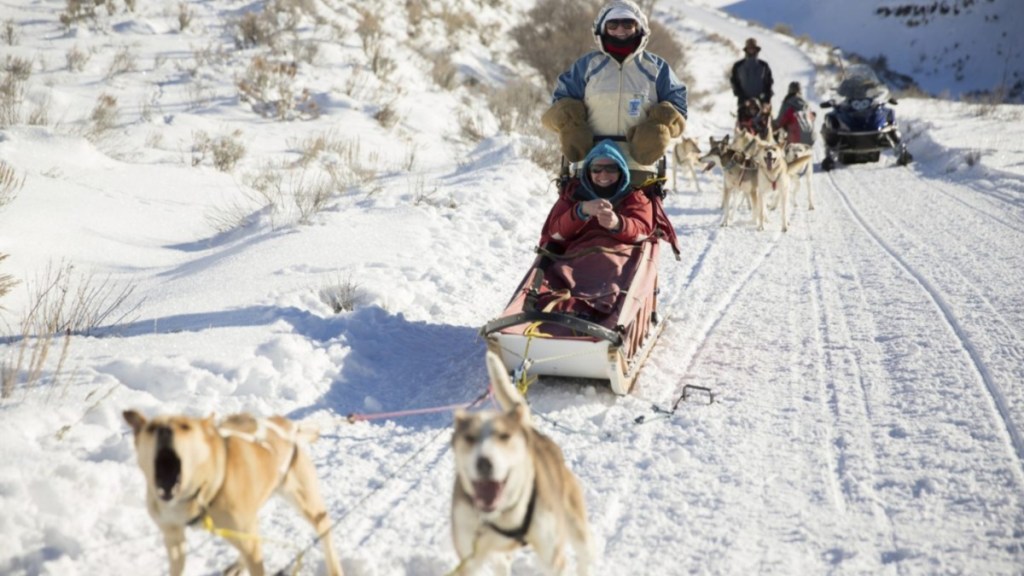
309	208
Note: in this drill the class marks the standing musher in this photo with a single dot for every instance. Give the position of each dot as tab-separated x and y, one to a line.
751	79
619	92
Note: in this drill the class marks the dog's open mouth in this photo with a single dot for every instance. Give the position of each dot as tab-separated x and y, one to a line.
167	473
486	493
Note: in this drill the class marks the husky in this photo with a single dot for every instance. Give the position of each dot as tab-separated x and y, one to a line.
686	153
773	177
218	475
739	175
513	488
799	162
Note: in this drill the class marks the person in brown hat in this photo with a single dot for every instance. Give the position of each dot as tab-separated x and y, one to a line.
751	77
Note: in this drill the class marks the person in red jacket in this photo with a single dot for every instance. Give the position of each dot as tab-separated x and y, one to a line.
795	117
592	229
600	208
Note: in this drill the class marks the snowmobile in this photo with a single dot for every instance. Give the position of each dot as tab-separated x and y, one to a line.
861	125
535	340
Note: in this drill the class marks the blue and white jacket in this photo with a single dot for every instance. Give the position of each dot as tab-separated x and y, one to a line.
617	96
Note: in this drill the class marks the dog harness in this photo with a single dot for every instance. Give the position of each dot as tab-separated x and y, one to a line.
519	534
258	437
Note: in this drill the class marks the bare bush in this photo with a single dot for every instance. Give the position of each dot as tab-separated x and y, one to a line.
40	114
311	197
266	27
123	62
341	295
444	72
76	10
254	30
783	28
290	196
416	12
554	35
972	157
456	21
517	104
225	151
268	87
76	59
9	32
12	95
472	126
7	282
10	183
61	304
235	214
311	148
545	150
370	30
421	195
386	115
103	117
185	15
19	68
210	55
344	161
371	33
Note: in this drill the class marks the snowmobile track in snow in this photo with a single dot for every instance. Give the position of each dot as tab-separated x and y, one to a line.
996	394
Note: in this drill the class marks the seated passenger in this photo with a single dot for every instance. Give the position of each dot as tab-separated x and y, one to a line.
591	232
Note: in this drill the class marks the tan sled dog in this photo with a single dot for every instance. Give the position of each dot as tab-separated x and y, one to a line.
739	176
201	473
512	488
685	154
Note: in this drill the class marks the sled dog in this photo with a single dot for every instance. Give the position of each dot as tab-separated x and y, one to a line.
739	176
512	488
686	154
799	162
218	475
773	178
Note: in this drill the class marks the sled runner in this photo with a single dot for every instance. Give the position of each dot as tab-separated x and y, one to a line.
548	330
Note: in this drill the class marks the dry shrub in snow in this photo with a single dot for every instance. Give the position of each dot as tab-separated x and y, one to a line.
555	34
225	151
10	183
61	304
341	295
268	87
103	116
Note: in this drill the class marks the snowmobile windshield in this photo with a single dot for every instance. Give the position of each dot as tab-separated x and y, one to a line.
860	83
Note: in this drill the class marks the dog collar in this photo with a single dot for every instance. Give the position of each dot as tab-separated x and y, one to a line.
519	534
202	508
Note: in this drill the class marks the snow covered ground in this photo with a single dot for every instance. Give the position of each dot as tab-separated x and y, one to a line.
866	366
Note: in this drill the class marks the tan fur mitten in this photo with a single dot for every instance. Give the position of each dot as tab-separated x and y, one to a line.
649	139
568	118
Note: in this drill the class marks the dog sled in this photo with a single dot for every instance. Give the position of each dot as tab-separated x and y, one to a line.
539	333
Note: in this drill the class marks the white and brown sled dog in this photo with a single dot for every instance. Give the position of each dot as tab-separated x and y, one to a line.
512	488
218	475
685	154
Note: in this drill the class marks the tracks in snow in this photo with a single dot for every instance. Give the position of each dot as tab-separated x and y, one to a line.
995	322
